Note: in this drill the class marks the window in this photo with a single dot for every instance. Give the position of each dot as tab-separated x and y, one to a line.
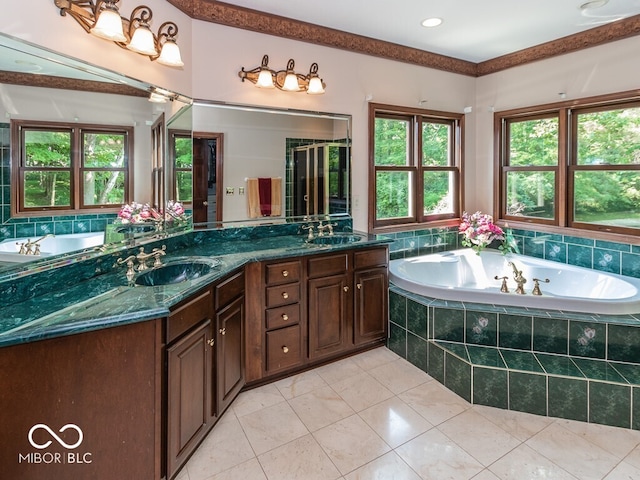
69	168
183	170
415	166
574	166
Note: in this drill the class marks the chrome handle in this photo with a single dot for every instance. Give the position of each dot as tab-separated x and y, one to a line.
285	295
285	317
285	273
211	342
223	331
285	349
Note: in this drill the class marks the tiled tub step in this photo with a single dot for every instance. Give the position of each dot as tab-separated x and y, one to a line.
564	386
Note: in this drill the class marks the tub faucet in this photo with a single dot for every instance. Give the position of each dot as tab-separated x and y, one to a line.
517	276
32	248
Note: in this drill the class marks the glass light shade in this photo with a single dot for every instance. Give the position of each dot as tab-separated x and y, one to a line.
315	86
143	42
170	55
109	26
265	79
291	83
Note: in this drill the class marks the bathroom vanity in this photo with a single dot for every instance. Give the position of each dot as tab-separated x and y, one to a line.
133	396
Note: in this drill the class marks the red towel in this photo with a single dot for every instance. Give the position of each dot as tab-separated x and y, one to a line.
264	190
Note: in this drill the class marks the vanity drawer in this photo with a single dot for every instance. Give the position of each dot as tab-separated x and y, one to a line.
186	316
280	316
327	265
370	258
283	294
285	272
283	348
229	289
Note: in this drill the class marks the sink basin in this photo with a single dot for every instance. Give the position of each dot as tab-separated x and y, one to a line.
336	239
175	272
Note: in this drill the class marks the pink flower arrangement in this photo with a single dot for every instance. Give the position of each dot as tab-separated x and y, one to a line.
135	212
478	231
175	212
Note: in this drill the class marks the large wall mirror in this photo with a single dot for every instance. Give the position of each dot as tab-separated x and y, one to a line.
38	86
256	165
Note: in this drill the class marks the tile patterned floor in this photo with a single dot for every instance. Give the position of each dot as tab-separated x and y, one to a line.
376	416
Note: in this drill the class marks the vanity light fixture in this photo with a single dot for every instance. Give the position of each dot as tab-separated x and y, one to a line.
102	19
287	80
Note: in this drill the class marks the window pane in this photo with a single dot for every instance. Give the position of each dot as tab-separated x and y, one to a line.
393	194
47	149
184	156
608	198
392	142
439	188
435	144
531	194
47	189
533	142
104	150
611	137
103	188
184	180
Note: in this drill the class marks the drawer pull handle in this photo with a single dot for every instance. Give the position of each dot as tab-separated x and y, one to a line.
285	273
285	295
211	342
285	317
359	285
223	331
346	289
285	349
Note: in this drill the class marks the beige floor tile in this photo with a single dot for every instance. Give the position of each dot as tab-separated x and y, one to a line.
634	457
520	425
434	456
225	447
183	474
572	452
271	427
249	470
395	421
388	466
300	384
485	475
624	471
320	408
362	391
374	358
434	402
399	376
350	443
256	399
525	463
481	438
338	371
302	458
617	441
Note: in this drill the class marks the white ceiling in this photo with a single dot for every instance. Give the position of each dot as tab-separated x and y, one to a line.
472	30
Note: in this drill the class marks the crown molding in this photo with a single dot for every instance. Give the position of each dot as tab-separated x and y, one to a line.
50	81
248	19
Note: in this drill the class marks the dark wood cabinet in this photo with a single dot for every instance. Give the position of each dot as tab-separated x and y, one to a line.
230	352
370	305
328	315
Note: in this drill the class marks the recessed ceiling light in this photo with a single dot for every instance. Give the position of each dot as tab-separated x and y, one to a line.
593	4
431	22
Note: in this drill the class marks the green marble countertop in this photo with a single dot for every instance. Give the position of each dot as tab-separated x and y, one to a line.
108	300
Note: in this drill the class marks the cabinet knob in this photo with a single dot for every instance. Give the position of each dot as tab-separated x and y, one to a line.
346	289
285	295
223	331
285	317
211	342
285	349
359	285
285	273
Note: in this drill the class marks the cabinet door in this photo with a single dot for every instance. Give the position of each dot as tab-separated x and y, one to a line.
230	352
371	303
329	308
190	394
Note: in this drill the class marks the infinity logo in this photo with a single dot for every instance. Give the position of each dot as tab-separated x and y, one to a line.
53	434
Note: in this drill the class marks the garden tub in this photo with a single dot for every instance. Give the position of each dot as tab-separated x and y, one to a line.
462	275
50	245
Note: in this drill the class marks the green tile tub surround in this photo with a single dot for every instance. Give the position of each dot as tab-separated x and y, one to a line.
635	408
598	370
417	351
435	366
514	331
448	324
417	318
587	339
520	360
528	393
623	343
568	398
550	335
398	309
490	387
559	365
457	376
481	328
397	341
610	404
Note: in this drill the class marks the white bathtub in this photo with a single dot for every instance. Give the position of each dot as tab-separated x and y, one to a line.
49	246
462	275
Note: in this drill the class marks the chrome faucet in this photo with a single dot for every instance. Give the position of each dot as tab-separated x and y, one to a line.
519	278
32	248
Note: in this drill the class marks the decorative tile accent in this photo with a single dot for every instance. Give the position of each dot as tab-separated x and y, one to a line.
481	328
587	339
550	335
490	387
568	398
610	404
